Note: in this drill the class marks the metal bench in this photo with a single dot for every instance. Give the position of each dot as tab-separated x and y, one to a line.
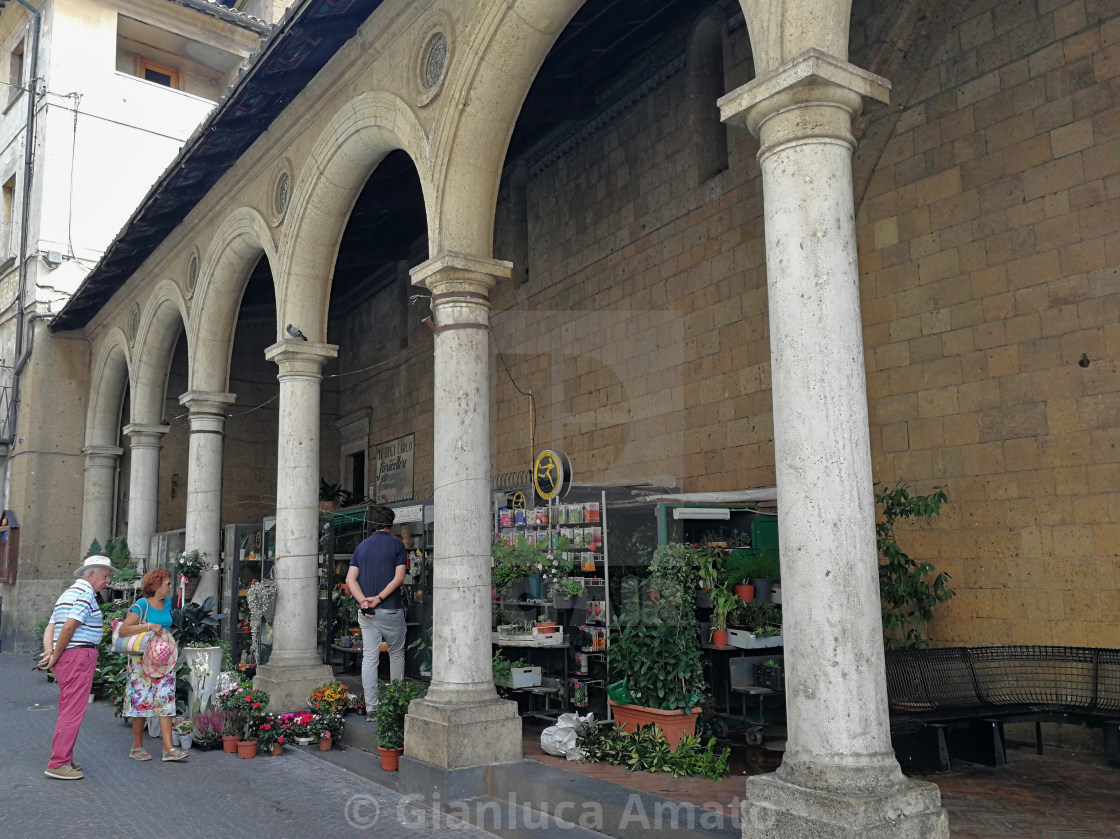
953	702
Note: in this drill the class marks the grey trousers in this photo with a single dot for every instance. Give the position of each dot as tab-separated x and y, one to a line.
387	624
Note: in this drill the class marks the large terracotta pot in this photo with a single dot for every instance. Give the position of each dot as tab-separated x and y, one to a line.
246	749
719	637
390	758
745	592
229	743
673	724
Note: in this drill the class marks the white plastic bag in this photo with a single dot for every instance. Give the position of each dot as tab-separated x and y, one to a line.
560	739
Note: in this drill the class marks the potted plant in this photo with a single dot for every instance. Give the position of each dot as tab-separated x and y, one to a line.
565	591
329	698
655	650
770	674
270	734
185	730
207	730
723	602
190	565
230	731
423	648
327	728
297	727
389	714
707	568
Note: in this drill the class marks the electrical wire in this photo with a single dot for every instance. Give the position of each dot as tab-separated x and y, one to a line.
77	97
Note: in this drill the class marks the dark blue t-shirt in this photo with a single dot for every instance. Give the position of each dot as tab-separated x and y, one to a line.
377	559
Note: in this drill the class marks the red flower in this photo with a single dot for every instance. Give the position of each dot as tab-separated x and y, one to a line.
280	739
256	705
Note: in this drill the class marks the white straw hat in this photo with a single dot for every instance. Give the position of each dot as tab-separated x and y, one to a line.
91	562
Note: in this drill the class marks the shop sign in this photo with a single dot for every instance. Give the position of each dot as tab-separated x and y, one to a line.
394	464
552	475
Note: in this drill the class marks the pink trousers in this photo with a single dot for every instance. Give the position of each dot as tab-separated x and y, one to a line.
74	672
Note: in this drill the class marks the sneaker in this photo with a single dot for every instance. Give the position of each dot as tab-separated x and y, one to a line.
175	754
64	773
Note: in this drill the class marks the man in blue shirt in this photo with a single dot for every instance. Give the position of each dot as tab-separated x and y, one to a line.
376	573
77	629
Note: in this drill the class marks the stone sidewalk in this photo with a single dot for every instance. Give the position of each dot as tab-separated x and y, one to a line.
210	794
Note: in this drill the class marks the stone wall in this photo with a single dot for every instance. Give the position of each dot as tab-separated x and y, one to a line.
989	252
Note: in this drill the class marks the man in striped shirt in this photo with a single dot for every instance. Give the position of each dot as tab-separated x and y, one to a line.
77	628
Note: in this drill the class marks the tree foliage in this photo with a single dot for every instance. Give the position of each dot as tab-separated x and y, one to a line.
909	589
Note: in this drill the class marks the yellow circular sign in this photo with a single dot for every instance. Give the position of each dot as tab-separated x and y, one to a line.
517	501
548	474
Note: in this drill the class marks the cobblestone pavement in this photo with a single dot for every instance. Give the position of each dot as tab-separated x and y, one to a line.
210	794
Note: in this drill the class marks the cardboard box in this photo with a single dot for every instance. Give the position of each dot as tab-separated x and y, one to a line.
525	677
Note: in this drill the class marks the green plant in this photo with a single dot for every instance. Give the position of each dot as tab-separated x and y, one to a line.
393	700
909	589
567	587
755	614
770	664
194	625
707	568
208	725
329	491
723	602
191	563
423	647
734	569
184	726
503	669
655	646
765	632
646	750
676	566
345	610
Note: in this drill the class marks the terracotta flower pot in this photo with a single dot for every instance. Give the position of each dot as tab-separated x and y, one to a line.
325	744
277	749
745	592
673	724
390	758
719	637
229	743
246	749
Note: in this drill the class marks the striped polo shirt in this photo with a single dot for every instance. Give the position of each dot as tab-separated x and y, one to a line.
80	603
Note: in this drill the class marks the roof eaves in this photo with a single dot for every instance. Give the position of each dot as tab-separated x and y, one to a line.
212	7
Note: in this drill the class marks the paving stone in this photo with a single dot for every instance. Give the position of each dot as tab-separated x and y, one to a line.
209	794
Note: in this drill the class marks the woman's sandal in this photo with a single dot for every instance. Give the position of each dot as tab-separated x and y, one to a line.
175	754
139	754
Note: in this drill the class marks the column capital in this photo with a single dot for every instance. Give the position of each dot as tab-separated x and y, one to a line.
295	357
460	274
102	451
145	435
207	401
813	78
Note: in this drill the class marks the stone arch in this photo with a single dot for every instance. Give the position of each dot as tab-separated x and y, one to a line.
160	326
223	277
483	98
358	137
109	382
781	30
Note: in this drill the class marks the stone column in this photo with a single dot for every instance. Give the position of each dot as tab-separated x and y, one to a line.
461	722
295	668
204	482
839	777
97	498
143	488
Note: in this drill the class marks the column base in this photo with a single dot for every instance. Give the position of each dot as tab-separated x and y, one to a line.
289	686
459	736
777	809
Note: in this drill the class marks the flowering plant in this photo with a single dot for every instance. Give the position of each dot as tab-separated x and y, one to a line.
326	726
329	698
184	726
208	725
272	730
296	725
191	564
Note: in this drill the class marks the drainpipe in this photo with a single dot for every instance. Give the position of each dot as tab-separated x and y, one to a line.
25	222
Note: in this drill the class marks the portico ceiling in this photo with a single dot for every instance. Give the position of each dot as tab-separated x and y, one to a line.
599	44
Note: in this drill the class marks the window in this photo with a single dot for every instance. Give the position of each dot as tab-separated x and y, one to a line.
7	219
358	474
15	71
166	76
